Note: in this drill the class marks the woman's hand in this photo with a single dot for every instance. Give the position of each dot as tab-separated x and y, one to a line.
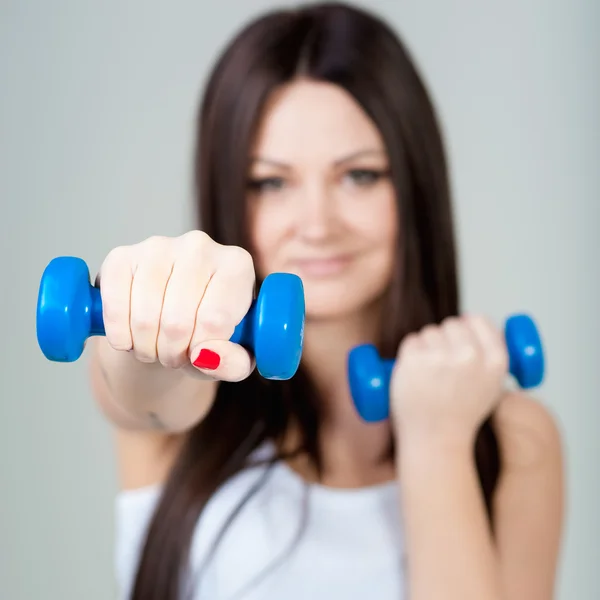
448	378
176	301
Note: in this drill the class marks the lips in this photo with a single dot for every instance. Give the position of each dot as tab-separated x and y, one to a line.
320	267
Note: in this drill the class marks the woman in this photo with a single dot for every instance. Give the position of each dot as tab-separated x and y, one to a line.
319	154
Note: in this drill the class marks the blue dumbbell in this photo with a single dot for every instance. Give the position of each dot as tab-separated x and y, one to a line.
369	375
69	310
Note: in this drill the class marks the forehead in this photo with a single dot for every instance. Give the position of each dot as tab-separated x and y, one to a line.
313	120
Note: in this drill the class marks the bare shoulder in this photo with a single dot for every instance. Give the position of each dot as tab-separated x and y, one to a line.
528	432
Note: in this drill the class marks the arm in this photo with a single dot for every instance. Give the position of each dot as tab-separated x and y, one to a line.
529	501
452	553
152	375
135	398
140	396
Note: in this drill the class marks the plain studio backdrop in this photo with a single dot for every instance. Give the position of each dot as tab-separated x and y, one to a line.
96	117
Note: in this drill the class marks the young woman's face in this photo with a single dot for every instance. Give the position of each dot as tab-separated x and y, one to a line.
321	201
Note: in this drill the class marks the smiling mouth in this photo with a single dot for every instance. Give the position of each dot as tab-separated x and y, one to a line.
320	267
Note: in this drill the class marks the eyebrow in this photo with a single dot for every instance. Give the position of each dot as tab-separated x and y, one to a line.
337	163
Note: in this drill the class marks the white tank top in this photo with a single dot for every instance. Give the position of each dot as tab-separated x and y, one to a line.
291	540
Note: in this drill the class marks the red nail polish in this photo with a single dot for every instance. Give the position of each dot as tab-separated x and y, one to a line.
207	359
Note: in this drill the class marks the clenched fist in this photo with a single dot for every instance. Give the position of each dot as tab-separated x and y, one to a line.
177	301
448	378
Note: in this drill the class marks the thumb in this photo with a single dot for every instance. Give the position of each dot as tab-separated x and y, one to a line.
222	360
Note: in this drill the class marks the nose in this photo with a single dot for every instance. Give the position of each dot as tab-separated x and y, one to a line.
317	218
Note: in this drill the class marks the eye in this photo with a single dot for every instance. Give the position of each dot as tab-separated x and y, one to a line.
266	184
364	177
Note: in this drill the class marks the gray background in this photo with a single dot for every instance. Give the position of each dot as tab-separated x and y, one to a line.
96	117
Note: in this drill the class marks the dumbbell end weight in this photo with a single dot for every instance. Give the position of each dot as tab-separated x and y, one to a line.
525	351
369	380
369	375
69	309
273	328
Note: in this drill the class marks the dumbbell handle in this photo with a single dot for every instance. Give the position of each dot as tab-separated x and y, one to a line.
388	367
242	335
96	317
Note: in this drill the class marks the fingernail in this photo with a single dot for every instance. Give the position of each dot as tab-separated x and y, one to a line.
207	359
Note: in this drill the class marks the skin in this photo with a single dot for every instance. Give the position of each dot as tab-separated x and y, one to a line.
321	205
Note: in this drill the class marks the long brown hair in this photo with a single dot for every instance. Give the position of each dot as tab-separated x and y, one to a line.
356	50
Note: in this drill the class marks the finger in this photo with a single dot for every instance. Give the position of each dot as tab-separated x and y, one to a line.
459	339
411	346
489	338
223	360
227	299
431	337
185	290
150	281
114	279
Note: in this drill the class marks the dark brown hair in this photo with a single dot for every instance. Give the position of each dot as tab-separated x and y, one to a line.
356	50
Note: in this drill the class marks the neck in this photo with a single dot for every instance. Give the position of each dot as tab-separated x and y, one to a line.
352	450
325	354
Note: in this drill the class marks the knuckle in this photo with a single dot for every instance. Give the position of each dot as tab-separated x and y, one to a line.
154	240
175	328
238	258
429	332
216	322
144	355
113	265
451	321
116	256
196	241
113	303
465	354
406	346
115	315
143	322
154	248
115	311
171	360
409	339
482	322
118	338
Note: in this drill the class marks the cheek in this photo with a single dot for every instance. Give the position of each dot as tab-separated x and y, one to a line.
377	222
380	226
